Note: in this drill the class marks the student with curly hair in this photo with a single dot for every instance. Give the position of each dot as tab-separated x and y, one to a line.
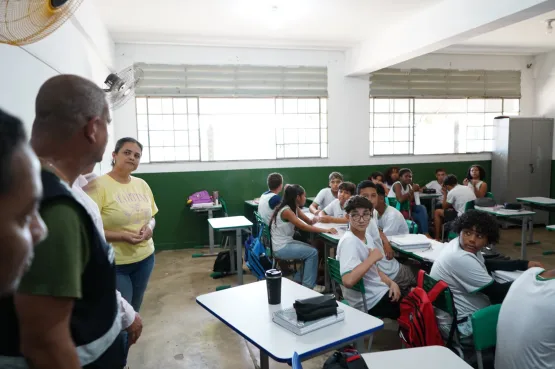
462	266
475	180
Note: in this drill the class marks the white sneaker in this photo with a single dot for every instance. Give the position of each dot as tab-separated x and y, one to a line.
319	289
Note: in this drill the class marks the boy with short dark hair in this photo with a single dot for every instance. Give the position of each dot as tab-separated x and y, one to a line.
455	197
334	212
328	194
357	261
271	198
399	273
437	185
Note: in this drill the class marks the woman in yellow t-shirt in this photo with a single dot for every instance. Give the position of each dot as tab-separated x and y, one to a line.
127	207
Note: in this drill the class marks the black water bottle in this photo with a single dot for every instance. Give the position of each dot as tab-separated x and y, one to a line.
273	285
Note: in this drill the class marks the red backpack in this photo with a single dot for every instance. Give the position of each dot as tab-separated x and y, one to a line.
417	322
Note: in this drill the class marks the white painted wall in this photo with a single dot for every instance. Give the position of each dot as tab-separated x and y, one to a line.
544	73
81	46
348	117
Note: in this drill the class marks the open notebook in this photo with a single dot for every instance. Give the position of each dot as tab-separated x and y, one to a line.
287	318
410	241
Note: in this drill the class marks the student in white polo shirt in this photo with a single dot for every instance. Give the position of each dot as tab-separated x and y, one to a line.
390	220
328	194
526	328
271	198
358	261
466	272
335	212
399	273
437	185
455	197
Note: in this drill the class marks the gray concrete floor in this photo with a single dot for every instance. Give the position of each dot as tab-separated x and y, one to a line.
178	333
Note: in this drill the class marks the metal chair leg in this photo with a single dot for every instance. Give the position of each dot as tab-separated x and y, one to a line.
479	359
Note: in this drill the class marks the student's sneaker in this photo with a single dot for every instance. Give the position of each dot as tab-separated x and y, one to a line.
319	289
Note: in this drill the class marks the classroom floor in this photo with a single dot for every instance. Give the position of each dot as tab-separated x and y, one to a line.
178	333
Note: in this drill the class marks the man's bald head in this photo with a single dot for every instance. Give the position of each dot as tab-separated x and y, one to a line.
65	104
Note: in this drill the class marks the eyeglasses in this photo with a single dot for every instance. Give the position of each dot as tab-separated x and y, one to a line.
357	217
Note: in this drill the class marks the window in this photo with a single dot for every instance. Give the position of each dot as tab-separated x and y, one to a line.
435	126
220	129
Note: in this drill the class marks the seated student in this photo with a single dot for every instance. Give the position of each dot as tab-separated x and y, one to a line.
377	178
358	261
455	197
437	185
328	194
529	340
462	266
271	198
391	176
475	180
286	217
399	273
334	212
403	191
390	220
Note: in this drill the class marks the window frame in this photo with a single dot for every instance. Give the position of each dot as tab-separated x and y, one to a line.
412	117
321	115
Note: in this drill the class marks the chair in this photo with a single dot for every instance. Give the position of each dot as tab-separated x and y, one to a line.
490	195
335	276
267	240
225	235
413	227
484	328
446	303
296	362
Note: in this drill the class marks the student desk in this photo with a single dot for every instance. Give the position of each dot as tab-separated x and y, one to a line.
429	357
433	198
210	208
252	204
536	203
245	309
551	228
236	224
428	255
525	215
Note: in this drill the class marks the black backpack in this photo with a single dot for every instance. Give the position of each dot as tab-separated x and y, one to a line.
222	264
346	358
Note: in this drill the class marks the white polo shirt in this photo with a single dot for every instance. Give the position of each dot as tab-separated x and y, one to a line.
436	186
526	326
459	196
324	198
465	273
334	209
389	267
392	222
351	252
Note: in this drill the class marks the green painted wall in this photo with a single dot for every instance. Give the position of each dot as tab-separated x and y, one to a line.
178	227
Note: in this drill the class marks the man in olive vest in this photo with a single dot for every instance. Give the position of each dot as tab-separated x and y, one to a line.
66	306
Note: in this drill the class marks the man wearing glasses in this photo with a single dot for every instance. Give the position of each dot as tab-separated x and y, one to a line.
357	261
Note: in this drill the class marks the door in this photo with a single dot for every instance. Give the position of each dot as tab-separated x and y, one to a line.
542	141
520	148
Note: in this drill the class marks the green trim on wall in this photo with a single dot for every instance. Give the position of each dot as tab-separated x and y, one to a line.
178	227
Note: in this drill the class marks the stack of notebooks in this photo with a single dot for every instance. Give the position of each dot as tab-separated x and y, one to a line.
503	276
287	318
410	241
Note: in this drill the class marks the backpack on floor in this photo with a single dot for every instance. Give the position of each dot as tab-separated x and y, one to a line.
222	264
417	322
255	256
346	358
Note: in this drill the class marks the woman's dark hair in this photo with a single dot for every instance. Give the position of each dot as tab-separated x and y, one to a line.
480	222
365	184
289	199
12	135
123	141
375	175
480	169
388	173
358	202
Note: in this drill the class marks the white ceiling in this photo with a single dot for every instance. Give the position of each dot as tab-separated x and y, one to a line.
326	24
524	38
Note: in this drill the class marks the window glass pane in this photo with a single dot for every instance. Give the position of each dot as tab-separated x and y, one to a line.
323	120
475	133
192	105
401	134
323	135
290	106
145	158
494	105
475	119
193	138
401	148
167	106
383	134
140	103
155	122
490	117
180	106
143	138
401	120
381	105
489	145
435	133
291	151
383	148
157	154
279	153
290	136
182	153
154	106
511	106
311	121
181	138
156	139
301	106
309	150
474	145
192	121
194	153
401	105
142	122
324	105
383	120
324	150
488	133
180	122
312	135
167	122
476	105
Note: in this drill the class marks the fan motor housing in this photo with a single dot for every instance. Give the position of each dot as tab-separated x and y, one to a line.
55	4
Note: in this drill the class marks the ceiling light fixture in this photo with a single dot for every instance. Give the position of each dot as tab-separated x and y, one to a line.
549	27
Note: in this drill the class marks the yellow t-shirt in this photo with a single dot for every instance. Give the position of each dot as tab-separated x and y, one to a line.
125	207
